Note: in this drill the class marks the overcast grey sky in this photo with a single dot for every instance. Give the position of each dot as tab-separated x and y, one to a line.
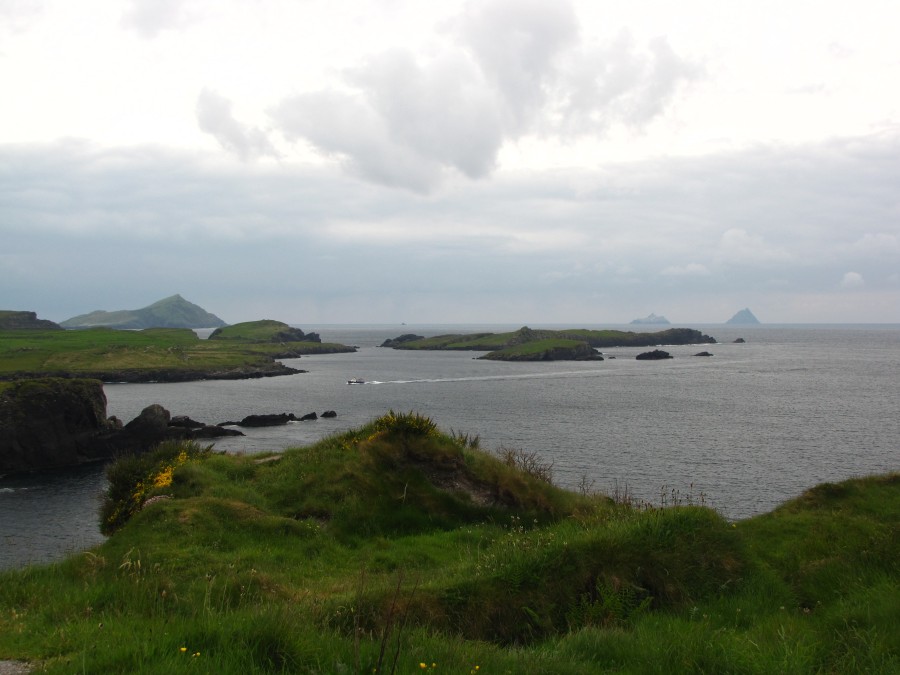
514	161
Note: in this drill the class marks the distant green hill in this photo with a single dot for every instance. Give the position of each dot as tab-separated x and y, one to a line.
172	312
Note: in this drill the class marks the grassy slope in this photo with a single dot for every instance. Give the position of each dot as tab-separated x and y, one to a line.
100	350
396	545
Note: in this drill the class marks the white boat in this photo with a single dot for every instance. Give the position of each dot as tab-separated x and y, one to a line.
356	380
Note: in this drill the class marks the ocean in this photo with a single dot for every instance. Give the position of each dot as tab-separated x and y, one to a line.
741	431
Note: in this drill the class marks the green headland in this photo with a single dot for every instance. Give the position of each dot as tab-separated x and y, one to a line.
399	548
155	354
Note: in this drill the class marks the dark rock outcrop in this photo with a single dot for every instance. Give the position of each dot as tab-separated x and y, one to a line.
271	420
13	320
655	355
56	422
329	413
308	417
702	354
52	422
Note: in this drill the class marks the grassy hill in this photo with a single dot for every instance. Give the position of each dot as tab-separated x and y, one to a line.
171	312
399	548
265	330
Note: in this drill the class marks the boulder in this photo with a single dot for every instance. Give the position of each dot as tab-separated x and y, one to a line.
153	420
329	413
702	354
271	420
309	417
185	422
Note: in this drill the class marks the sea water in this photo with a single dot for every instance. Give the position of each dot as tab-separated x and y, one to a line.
743	430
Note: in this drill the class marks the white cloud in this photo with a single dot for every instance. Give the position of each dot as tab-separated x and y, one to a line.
517	45
214	116
17	15
148	18
689	270
739	247
852	280
405	119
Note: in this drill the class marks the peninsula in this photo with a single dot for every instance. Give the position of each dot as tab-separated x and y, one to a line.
248	350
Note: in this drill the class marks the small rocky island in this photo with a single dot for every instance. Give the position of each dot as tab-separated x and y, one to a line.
527	344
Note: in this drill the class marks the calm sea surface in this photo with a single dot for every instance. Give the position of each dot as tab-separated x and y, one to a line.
745	429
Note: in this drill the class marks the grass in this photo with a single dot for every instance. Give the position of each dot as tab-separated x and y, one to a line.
107	353
399	548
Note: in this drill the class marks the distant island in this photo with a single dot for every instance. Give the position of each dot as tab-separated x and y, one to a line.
744	317
526	344
652	319
171	312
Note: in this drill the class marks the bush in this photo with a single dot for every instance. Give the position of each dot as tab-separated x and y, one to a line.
133	478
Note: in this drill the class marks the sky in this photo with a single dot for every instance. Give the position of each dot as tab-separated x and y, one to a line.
492	161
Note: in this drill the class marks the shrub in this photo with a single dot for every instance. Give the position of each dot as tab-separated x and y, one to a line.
405	424
133	478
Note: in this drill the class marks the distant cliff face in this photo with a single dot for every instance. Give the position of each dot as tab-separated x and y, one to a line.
11	320
51	422
172	312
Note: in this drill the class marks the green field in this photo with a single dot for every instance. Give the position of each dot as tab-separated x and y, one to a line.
110	354
397	548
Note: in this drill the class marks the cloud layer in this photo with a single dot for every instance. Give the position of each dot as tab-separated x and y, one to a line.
680	236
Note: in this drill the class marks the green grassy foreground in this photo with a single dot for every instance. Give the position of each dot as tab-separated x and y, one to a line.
161	353
399	548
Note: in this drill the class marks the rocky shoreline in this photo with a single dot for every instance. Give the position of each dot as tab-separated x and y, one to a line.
142	376
61	422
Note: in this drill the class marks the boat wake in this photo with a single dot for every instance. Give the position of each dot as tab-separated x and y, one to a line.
485	378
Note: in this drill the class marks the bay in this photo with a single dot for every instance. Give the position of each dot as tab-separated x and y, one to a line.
742	431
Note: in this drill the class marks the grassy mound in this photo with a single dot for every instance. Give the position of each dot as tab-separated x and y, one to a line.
399	548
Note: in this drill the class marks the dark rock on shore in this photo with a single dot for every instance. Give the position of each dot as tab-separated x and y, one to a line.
268	420
52	422
56	422
655	355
